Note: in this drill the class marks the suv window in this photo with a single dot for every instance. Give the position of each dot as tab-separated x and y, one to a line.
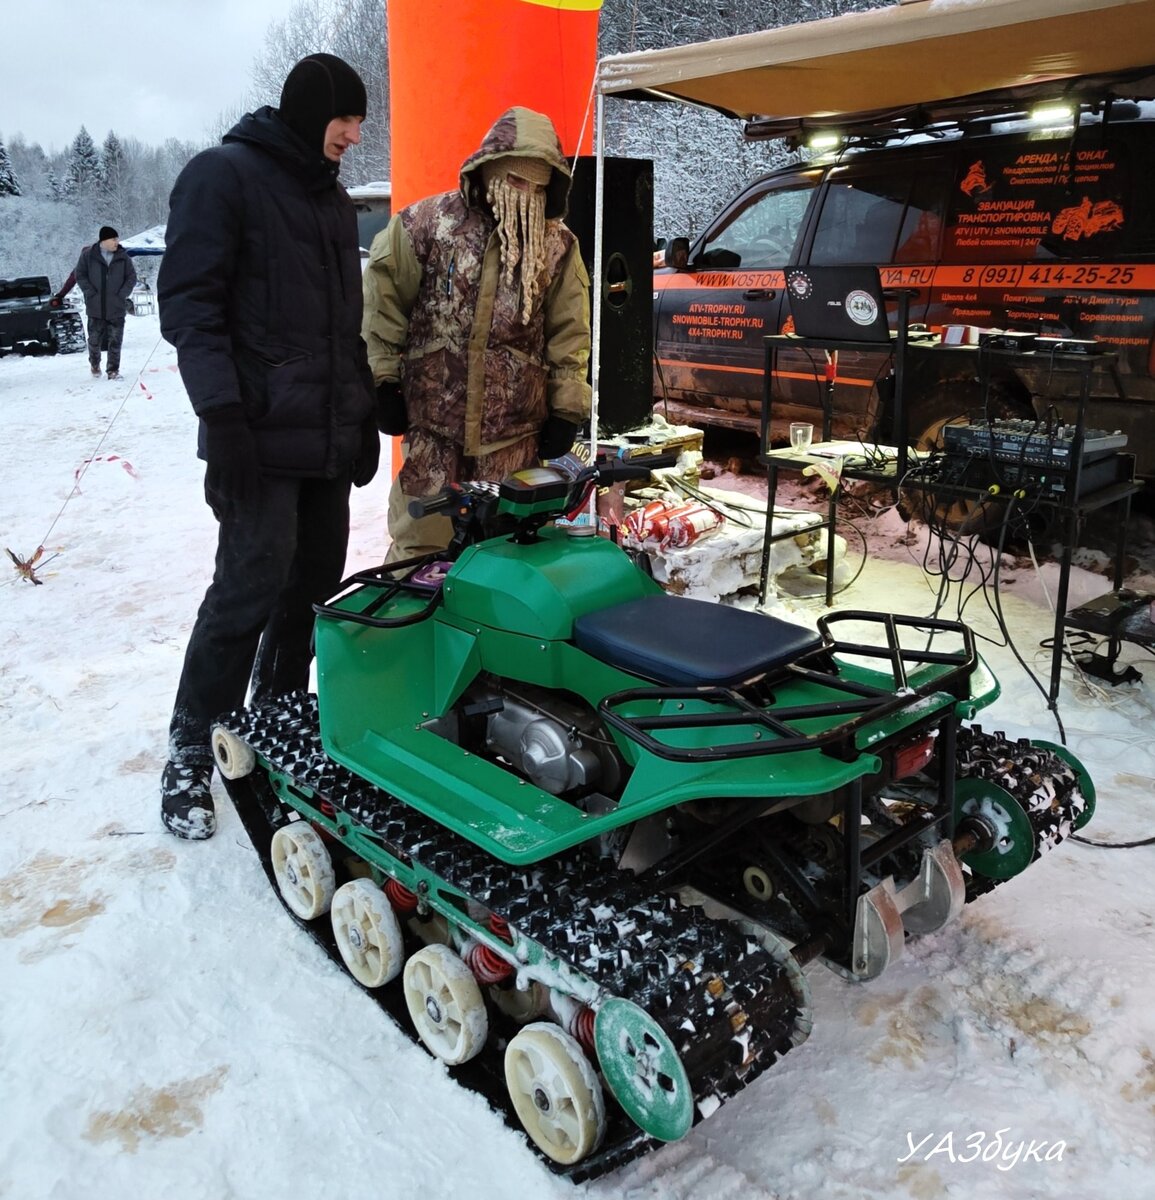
922	225
860	217
762	232
882	214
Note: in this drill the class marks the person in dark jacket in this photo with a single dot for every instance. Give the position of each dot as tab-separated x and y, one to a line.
260	293
105	275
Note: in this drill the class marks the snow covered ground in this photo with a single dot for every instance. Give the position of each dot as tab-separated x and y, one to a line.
165	1030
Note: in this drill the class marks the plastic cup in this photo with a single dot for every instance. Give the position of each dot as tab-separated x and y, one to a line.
801	435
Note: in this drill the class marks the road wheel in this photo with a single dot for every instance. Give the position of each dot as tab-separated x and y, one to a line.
234	758
367	932
555	1092
303	869
445	1004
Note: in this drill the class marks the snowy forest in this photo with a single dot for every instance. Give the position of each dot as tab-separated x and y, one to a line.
51	204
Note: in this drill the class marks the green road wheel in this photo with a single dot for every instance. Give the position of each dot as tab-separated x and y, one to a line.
1014	838
1086	783
642	1069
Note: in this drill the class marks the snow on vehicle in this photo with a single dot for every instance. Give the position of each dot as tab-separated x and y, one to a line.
580	837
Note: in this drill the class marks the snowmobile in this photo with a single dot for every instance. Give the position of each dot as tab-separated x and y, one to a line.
580	836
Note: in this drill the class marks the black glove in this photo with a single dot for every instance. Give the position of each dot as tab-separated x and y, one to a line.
232	467
365	466
556	437
391	415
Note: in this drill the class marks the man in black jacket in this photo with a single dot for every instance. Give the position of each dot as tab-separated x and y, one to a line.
260	293
105	275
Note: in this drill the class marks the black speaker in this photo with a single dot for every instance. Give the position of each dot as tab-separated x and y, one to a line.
625	383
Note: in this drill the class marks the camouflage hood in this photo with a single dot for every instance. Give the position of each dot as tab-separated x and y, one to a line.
526	134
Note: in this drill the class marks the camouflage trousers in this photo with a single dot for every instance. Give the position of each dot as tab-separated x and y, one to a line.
105	335
430	464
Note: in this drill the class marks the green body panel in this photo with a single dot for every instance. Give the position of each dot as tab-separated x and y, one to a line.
508	610
539	588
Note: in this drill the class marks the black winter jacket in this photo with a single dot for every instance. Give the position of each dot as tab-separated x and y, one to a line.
106	286
260	293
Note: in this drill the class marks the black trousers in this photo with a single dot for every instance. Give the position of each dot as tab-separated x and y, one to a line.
275	559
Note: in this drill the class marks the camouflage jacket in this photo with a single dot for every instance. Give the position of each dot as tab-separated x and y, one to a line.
439	317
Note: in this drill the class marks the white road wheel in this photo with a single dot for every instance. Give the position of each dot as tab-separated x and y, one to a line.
303	869
234	758
445	1004
757	883
368	933
555	1092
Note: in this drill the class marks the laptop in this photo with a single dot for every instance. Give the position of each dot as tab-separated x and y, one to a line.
839	303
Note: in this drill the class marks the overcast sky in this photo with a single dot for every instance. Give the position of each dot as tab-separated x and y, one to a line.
148	69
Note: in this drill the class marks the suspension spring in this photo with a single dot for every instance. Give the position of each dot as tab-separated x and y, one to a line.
486	964
581	1026
402	899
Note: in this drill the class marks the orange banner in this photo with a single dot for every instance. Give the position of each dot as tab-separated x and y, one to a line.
1041	276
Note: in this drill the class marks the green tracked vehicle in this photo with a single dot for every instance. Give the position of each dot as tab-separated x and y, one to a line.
581	837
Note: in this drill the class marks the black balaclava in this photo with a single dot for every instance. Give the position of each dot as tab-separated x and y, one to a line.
318	89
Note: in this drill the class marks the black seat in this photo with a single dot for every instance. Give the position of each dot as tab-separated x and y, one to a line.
691	642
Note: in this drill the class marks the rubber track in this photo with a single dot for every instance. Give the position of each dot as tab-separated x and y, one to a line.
722	999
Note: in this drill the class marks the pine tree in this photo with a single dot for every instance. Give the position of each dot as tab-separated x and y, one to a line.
83	178
8	184
113	172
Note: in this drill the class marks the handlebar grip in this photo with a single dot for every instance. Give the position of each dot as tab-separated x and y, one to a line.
426	506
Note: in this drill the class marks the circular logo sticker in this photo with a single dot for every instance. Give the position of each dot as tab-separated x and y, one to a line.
800	284
861	308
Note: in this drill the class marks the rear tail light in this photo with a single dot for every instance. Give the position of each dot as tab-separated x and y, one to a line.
912	756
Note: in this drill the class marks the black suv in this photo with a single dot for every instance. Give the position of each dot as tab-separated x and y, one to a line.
34	320
988	225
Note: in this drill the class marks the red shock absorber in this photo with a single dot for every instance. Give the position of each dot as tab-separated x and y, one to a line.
500	926
487	965
402	899
581	1026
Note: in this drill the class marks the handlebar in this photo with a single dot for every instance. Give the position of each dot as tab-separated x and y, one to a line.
426	506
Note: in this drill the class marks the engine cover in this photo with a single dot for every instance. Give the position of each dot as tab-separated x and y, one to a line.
552	741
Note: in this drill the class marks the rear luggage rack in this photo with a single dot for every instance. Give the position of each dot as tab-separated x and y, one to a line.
860	702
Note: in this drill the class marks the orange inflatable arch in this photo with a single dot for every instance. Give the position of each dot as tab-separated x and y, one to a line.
457	65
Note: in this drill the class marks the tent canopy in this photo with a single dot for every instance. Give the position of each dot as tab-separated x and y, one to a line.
912	54
149	241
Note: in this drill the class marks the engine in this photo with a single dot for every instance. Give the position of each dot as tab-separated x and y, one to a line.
556	742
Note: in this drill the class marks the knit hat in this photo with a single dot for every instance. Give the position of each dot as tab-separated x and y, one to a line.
106	232
319	88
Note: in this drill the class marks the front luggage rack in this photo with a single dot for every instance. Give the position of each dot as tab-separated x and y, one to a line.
391	588
859	702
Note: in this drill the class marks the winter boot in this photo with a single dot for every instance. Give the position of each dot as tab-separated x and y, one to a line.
186	804
114	374
95	368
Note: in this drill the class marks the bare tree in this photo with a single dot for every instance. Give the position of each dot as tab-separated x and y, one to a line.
354	30
700	158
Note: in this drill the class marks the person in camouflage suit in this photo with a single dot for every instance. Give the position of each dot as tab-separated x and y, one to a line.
477	324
